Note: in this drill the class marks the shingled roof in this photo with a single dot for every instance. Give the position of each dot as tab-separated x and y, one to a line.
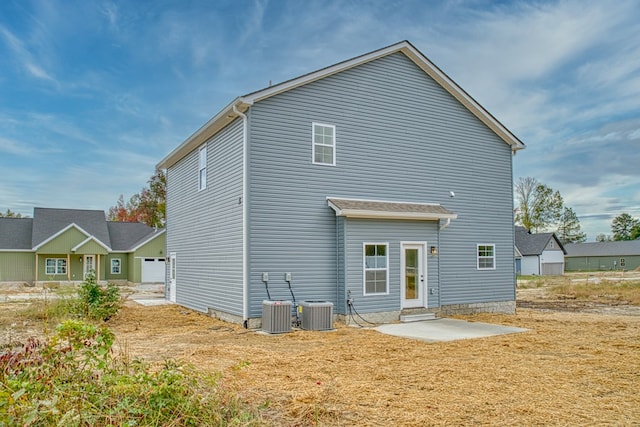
620	248
27	234
47	222
127	235
15	233
388	209
533	243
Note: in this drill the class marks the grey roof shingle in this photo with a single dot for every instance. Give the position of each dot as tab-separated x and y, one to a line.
532	243
48	221
620	248
382	207
15	233
125	235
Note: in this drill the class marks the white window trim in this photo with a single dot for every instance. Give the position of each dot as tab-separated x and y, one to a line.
313	144
492	257
56	267
365	269
202	166
119	265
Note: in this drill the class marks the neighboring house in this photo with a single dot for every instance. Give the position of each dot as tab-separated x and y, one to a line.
63	245
539	254
376	181
619	255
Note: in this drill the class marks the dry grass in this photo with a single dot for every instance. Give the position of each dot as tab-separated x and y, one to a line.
570	369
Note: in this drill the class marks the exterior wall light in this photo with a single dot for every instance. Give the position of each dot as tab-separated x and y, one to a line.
434	250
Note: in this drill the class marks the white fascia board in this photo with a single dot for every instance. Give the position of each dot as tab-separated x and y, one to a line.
16	250
53	236
462	96
209	129
147	240
360	213
87	240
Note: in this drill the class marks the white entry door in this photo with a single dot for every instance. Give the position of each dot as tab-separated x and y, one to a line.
89	266
413	279
172	277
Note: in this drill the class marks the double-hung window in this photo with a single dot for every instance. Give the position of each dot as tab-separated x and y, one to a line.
202	168
54	266
324	144
116	266
376	272
486	256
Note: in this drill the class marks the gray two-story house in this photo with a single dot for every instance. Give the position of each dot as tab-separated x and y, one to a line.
376	182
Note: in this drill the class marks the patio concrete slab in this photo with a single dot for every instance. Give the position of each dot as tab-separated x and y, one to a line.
446	330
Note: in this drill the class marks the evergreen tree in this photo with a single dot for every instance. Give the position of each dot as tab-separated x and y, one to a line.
623	226
569	230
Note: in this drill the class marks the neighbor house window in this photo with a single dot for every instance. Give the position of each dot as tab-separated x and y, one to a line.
116	266
486	257
376	273
622	262
202	168
55	266
324	144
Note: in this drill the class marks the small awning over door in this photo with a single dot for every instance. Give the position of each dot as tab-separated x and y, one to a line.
354	208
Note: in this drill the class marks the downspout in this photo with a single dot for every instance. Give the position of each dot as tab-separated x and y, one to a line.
446	224
245	232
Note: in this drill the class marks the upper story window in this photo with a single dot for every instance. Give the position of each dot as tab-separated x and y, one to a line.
324	144
486	257
202	168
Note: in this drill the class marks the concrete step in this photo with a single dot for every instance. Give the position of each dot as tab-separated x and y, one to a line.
418	317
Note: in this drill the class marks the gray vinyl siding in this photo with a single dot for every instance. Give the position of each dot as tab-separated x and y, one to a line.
204	228
399	136
392	232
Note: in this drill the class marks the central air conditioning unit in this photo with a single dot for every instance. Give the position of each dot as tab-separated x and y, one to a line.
317	315
276	316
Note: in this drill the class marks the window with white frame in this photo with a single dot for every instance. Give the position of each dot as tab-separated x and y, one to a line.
486	256
116	266
324	144
54	266
376	272
202	168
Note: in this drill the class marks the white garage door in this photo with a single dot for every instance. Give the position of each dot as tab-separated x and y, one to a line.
153	270
552	269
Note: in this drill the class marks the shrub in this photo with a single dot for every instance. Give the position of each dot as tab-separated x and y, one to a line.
98	302
74	379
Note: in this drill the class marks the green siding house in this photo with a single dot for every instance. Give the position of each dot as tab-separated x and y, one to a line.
64	245
594	256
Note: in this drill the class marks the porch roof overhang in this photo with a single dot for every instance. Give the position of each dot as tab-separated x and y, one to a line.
380	209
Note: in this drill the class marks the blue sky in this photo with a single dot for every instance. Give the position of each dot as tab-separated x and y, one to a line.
94	93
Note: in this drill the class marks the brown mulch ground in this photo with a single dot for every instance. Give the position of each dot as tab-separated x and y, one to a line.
570	369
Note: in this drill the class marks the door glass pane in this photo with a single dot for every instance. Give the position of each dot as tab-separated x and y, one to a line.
411	274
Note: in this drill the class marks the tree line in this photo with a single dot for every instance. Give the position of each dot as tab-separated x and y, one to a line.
540	208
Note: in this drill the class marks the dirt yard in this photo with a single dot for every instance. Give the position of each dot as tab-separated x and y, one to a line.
571	368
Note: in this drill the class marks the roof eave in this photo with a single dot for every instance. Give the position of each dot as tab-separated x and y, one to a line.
209	129
227	115
360	213
147	240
